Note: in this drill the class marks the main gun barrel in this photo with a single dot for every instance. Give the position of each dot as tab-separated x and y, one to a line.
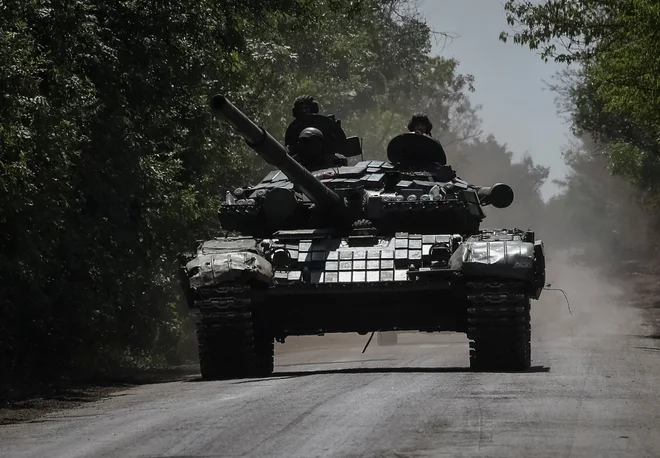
274	153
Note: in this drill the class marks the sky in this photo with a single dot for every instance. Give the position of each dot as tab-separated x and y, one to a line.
517	107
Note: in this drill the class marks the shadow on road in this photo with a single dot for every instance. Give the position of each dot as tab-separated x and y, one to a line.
381	370
316	363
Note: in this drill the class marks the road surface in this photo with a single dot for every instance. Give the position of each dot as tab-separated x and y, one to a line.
592	393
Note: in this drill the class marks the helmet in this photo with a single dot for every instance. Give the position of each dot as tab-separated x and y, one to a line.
309	147
310	141
310	133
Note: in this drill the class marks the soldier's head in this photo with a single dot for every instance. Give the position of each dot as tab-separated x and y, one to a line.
305	105
312	153
311	139
420	123
309	146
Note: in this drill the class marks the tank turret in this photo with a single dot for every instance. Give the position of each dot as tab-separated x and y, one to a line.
274	153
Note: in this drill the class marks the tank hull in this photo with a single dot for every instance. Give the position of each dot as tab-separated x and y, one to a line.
249	292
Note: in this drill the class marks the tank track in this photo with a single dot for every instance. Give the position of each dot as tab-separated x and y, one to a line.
499	325
232	341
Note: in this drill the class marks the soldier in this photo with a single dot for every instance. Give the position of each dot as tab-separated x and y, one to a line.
311	153
419	149
304	105
420	123
309	145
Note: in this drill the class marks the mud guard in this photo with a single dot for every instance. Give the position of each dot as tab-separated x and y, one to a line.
229	260
506	259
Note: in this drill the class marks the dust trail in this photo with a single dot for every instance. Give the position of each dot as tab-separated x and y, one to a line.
601	304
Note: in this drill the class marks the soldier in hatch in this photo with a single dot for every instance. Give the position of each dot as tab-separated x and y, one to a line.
304	105
308	147
420	149
312	154
420	123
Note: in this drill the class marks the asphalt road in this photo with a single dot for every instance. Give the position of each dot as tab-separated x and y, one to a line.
592	393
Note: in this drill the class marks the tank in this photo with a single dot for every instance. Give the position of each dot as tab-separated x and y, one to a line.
379	246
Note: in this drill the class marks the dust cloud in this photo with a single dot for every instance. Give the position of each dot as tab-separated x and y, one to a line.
599	304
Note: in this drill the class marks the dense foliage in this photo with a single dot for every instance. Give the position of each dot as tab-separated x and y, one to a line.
112	166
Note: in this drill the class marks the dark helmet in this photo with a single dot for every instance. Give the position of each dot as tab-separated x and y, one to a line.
305	104
310	133
310	142
420	118
310	148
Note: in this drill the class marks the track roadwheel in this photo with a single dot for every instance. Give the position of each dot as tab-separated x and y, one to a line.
387	338
499	326
231	342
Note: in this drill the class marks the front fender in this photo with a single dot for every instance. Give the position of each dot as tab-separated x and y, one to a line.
507	259
240	266
232	259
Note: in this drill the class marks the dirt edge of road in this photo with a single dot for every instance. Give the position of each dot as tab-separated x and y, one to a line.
642	287
18	407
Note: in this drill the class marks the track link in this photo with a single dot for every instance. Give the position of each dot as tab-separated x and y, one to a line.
232	341
499	326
